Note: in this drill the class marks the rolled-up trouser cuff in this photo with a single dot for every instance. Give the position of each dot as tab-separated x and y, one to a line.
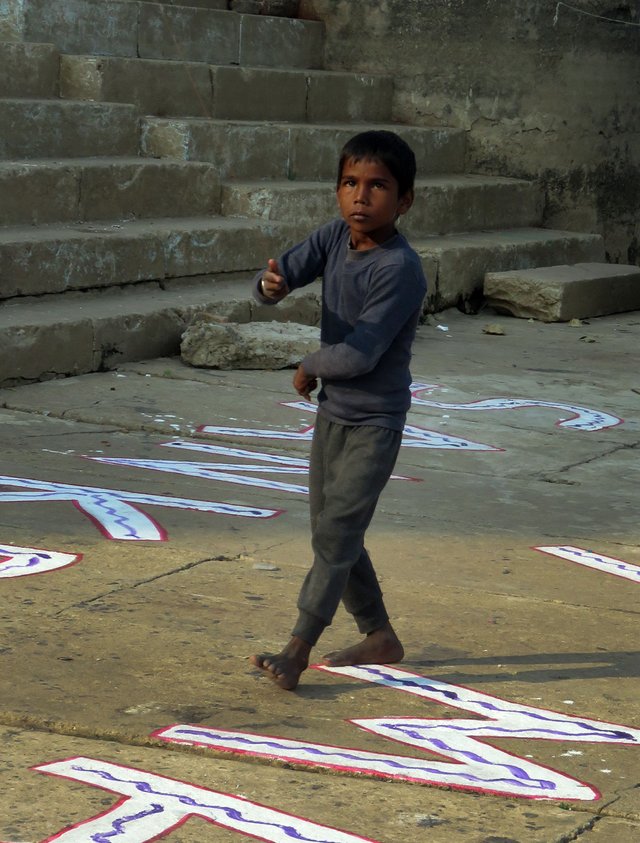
309	627
372	617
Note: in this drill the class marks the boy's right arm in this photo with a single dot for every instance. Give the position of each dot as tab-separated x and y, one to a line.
298	266
271	284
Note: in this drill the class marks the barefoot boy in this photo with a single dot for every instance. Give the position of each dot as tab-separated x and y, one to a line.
372	294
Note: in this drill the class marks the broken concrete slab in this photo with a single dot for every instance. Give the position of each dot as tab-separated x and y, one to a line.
256	345
564	292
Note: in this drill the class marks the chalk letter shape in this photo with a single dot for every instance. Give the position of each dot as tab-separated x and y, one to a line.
116	513
580	418
478	766
153	805
589	559
24	561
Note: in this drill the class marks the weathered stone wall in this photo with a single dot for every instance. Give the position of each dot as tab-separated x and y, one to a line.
557	100
11	19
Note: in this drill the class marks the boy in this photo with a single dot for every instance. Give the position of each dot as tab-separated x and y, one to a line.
372	295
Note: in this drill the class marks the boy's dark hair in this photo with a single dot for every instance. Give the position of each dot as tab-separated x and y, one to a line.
386	147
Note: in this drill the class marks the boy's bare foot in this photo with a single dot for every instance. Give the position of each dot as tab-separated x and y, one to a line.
379	647
286	667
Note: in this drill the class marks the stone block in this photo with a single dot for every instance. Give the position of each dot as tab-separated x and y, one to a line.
348	97
456	264
238	150
54	259
28	70
287	201
107	27
256	150
154	86
220	5
442	203
244	93
255	345
288	8
561	293
200	246
33	194
11	20
446	204
281	42
77	332
136	336
124	188
55	129
42	351
182	33
74	190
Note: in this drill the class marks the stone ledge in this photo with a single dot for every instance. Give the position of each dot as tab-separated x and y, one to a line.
561	293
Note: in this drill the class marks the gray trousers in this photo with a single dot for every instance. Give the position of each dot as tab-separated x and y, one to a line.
349	468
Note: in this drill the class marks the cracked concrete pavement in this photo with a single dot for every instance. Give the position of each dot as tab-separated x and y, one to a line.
155	628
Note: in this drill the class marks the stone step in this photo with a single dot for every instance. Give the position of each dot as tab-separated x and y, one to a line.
75	333
72	333
81	189
259	150
561	293
456	264
28	70
83	256
181	33
195	89
41	128
443	204
221	5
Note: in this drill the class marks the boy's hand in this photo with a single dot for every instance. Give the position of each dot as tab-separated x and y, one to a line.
272	284
303	384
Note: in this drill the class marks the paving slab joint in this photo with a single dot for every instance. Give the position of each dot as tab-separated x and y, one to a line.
582	829
179	570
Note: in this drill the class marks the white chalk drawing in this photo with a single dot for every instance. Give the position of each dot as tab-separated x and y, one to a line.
589	559
228	472
413	435
114	512
477	766
579	418
222	472
151	806
25	561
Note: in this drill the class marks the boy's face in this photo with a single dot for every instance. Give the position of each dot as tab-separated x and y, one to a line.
369	202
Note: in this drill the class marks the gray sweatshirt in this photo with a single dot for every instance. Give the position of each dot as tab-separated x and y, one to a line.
371	303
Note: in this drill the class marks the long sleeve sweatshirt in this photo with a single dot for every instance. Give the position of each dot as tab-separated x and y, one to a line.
371	303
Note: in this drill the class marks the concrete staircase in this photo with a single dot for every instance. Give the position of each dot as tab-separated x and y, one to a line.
152	156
